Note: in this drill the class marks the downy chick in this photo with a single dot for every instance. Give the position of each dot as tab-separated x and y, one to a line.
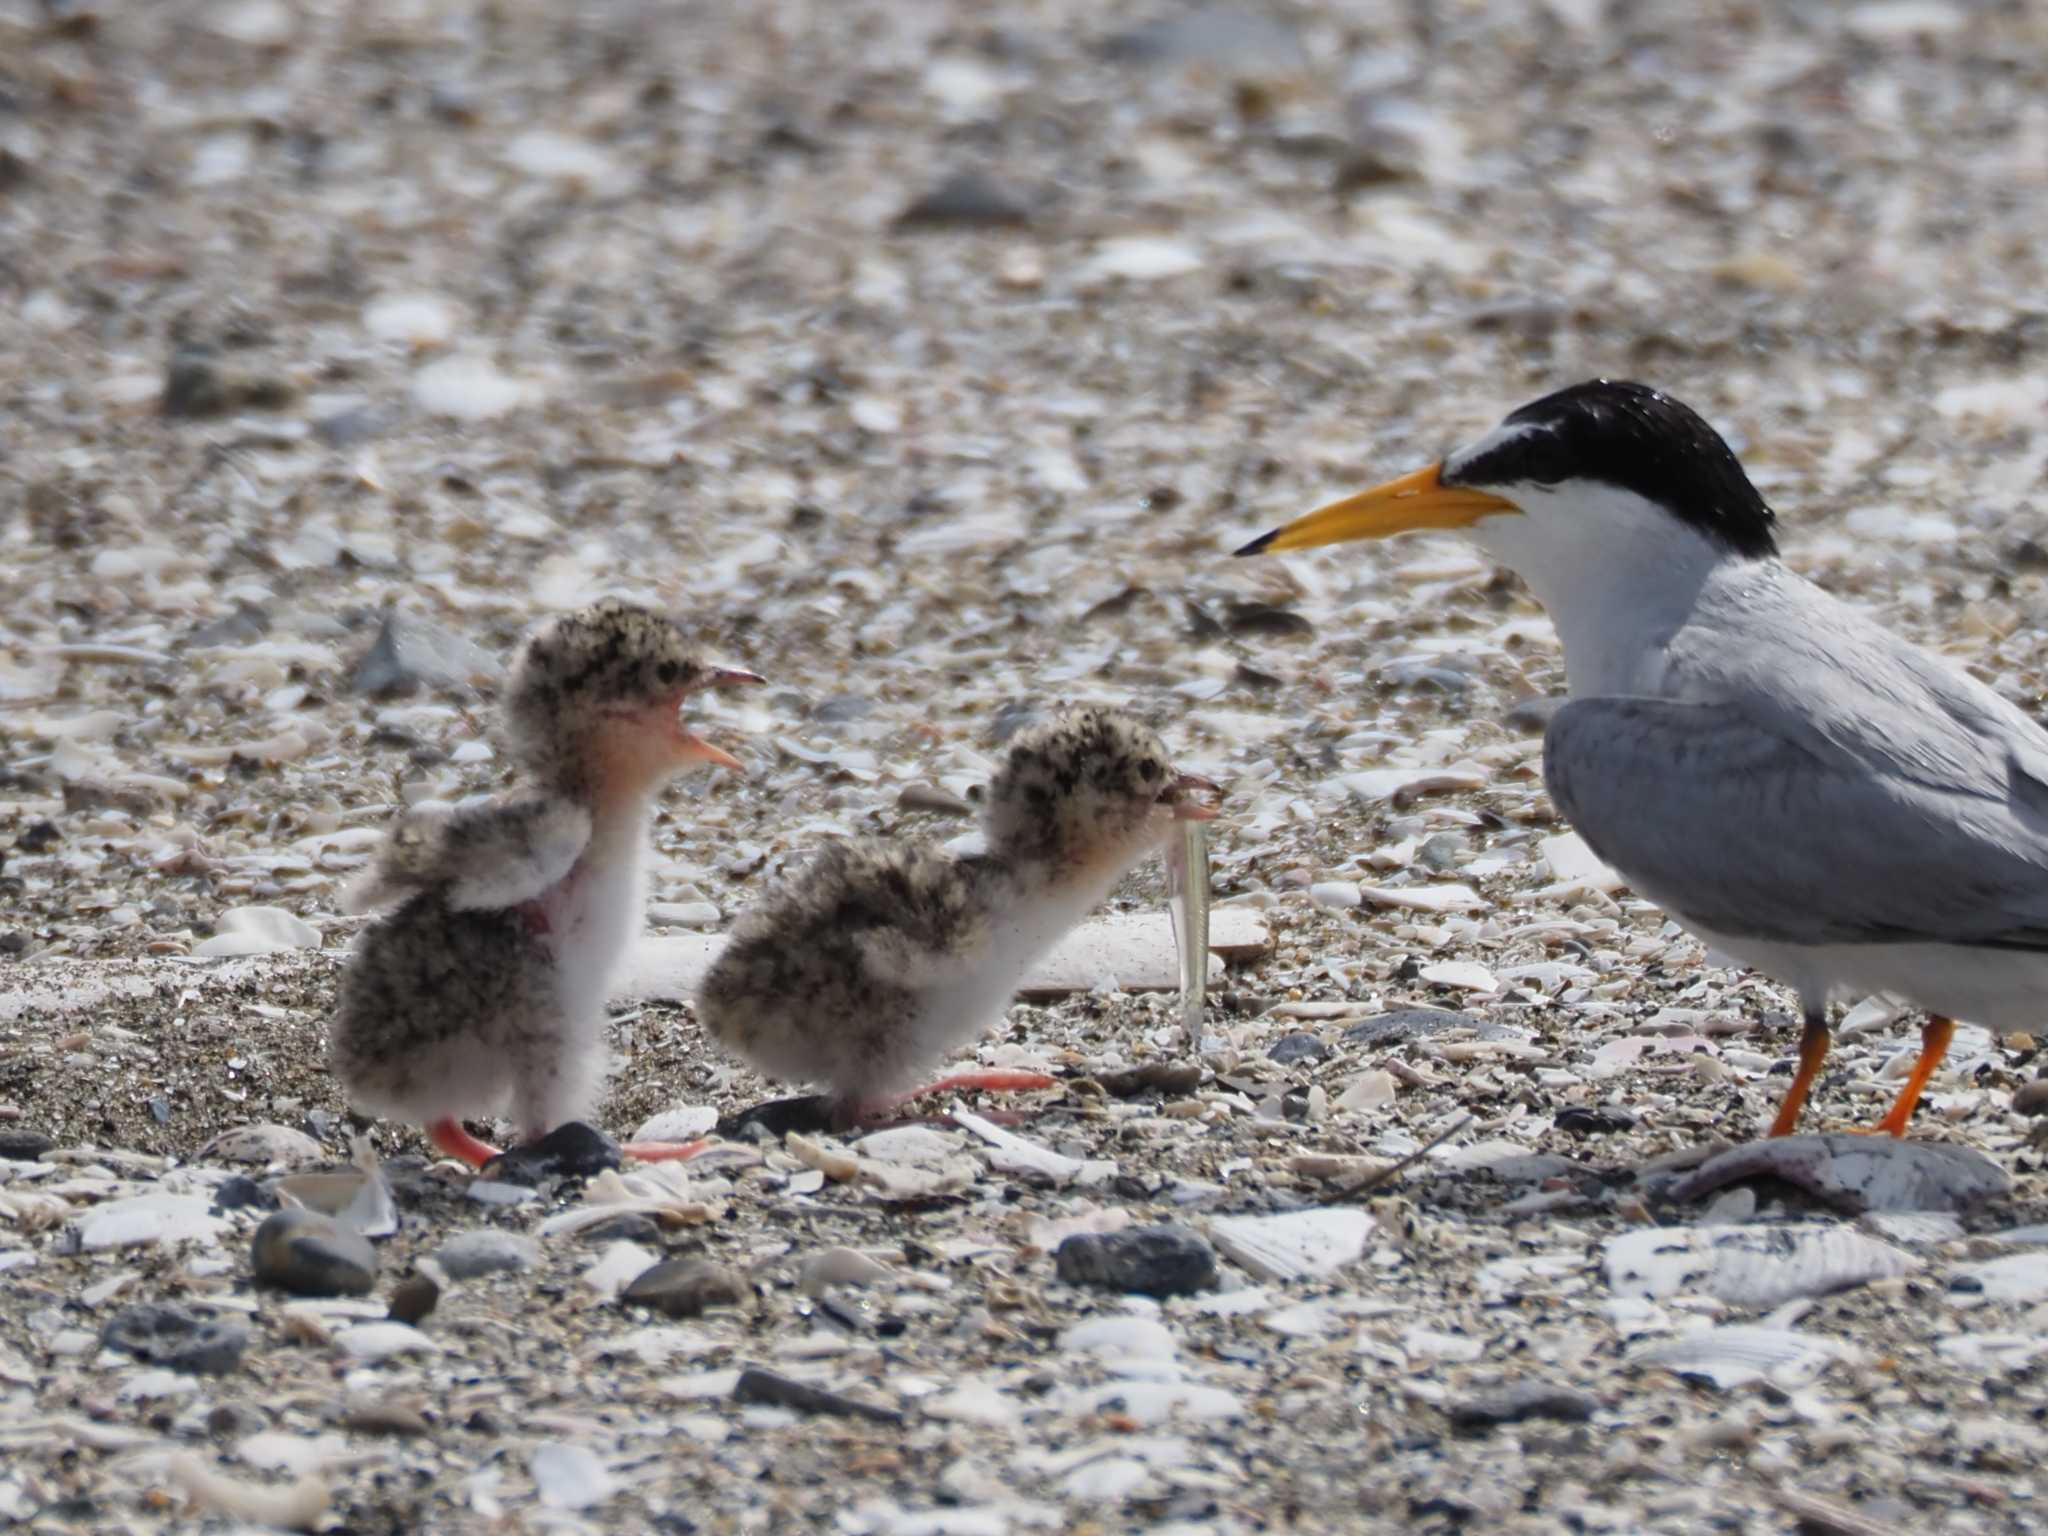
878	956
484	987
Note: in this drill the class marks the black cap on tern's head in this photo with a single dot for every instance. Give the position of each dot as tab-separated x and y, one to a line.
1604	432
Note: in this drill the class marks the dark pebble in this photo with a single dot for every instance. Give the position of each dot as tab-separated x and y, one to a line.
758	1386
246	623
684	1287
1264	619
1150	1261
1525	1400
234	1421
968	200
807	1114
1153	1077
1299	1046
628	1227
242	1193
38	837
174	1337
413	1298
2031	1098
1582	1120
24	1146
570	1151
312	1255
1415	1024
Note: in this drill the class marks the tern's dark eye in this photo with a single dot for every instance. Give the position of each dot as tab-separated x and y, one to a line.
1149	768
670	673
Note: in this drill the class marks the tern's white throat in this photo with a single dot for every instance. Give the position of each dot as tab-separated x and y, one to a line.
1617	574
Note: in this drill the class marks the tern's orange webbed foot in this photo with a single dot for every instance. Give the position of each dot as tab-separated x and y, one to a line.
448	1136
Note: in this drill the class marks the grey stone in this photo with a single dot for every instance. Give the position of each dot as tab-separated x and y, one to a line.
1519	1401
1299	1046
175	1337
685	1287
1153	1261
313	1255
1415	1024
486	1251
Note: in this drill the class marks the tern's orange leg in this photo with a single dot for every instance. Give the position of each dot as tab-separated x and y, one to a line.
666	1151
450	1137
1813	1050
1935	1035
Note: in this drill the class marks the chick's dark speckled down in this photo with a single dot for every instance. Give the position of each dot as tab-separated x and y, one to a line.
484	987
819	981
451	1012
876	957
604	656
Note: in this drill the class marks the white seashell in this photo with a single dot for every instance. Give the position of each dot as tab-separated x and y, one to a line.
840	1266
152	1218
1335	893
1749	1266
1424	898
379	1341
258	931
685	1122
1121	1339
1737	1355
570	1476
262	1143
1295	1244
617	1267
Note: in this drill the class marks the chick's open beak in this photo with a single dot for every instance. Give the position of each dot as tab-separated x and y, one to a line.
1179	794
691	746
1418	500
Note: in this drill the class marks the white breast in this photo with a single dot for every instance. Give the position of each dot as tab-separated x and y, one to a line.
593	915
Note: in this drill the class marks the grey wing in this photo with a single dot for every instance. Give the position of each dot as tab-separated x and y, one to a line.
480	858
1750	826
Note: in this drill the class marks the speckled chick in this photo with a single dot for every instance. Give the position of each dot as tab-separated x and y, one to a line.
483	988
878	957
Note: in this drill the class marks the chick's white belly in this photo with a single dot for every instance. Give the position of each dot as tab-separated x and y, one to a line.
2002	989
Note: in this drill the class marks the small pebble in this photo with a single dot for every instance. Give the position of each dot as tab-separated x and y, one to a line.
1149	1261
759	1386
242	1193
2031	1098
467	1255
1522	1401
1299	1046
23	1146
413	1298
172	1336
626	1227
313	1255
685	1287
570	1151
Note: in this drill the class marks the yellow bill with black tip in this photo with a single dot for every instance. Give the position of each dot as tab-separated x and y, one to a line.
1420	500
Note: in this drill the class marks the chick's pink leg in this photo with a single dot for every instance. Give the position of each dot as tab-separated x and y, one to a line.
665	1151
989	1080
874	1112
448	1135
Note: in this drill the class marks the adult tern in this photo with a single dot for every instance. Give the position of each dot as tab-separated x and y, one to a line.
1794	783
